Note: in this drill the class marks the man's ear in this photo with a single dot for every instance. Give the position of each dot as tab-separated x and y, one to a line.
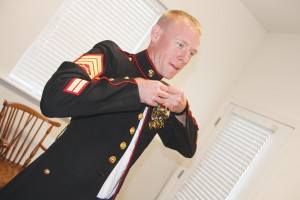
156	32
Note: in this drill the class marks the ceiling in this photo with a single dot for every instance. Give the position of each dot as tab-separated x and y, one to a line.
276	16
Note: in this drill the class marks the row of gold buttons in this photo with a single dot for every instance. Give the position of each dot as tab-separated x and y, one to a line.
123	145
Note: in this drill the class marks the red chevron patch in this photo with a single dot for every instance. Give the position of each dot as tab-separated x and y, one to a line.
92	64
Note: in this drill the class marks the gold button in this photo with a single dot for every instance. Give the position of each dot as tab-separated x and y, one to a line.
126	77
111	79
129	58
46	171
150	73
140	116
123	145
112	159
132	130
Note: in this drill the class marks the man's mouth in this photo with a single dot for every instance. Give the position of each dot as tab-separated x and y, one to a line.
174	66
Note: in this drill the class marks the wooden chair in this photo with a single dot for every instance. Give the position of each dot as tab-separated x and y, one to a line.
22	133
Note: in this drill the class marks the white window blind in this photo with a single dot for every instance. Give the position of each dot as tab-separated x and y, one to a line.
75	28
238	143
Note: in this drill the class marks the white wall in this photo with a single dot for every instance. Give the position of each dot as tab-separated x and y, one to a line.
231	37
270	83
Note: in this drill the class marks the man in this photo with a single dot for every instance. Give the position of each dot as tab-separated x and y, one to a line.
118	103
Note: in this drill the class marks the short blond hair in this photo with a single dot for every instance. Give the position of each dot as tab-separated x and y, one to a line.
171	15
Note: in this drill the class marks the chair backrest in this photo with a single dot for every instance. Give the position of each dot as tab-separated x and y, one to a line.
23	129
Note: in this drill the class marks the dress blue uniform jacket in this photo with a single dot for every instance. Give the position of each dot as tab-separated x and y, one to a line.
99	93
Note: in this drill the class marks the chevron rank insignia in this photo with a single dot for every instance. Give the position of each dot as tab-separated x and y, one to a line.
92	64
76	86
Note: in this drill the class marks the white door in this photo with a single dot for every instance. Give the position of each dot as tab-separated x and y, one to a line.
235	159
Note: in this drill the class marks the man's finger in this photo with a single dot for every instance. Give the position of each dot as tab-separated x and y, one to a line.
163	95
164	88
173	90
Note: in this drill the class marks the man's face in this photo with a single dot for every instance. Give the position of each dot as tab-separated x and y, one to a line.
173	47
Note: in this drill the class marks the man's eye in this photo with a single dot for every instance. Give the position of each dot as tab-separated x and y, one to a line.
180	45
192	54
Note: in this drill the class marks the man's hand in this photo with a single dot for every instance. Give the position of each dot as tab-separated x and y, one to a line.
176	101
155	92
152	92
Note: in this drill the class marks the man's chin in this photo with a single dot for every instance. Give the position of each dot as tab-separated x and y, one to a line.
169	76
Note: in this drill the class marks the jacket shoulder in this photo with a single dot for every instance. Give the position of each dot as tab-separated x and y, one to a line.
108	44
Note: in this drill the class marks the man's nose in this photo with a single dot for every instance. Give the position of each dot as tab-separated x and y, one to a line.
184	56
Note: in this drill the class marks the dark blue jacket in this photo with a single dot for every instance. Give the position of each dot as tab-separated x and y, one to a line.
99	93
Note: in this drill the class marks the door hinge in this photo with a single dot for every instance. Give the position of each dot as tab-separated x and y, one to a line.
218	120
179	175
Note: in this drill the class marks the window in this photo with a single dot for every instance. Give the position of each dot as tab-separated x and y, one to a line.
241	145
75	28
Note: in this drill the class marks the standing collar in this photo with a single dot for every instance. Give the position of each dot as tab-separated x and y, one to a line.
146	66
